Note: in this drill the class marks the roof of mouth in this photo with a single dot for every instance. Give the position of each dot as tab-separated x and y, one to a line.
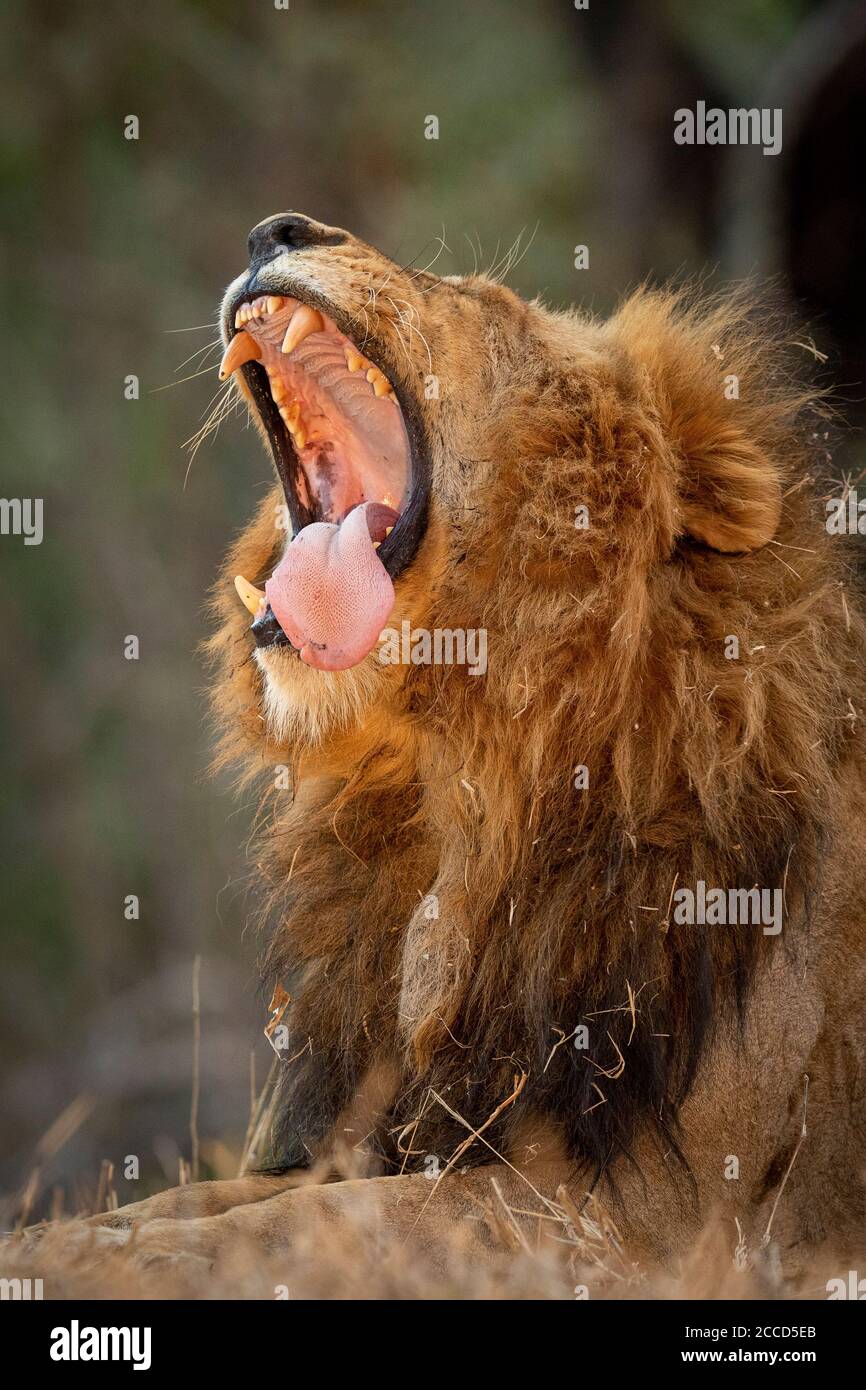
339	409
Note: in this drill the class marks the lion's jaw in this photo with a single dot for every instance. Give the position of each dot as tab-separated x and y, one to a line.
356	374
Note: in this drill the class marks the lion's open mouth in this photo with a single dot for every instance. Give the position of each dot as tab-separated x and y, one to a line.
340	442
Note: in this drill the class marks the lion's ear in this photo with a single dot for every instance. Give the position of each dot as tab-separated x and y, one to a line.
730	496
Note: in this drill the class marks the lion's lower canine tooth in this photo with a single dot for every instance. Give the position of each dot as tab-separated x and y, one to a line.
249	595
241	349
303	322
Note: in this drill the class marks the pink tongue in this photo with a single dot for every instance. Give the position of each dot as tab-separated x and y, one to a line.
330	592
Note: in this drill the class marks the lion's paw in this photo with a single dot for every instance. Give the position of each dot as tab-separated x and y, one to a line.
67	1239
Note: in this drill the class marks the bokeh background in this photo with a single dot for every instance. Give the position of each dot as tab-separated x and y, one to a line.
554	123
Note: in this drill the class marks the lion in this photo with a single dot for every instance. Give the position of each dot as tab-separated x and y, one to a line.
554	679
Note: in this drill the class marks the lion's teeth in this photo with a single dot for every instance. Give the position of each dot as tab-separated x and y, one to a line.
291	415
303	322
379	382
354	360
275	303
241	349
279	390
251	597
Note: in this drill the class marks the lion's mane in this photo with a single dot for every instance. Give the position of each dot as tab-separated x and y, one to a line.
442	900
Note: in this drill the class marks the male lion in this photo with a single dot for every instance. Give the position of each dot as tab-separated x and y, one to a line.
555	644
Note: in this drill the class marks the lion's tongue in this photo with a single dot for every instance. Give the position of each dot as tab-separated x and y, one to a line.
330	592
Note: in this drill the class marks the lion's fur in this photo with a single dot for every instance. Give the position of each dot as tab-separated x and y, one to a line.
606	649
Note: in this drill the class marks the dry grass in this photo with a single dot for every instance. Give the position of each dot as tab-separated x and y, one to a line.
555	1251
564	1255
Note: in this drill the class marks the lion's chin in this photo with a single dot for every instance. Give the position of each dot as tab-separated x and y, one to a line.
303	706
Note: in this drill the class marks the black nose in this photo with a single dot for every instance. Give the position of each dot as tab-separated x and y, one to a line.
289	231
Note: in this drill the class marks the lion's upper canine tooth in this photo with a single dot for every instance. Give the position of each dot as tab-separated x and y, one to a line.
303	322
251	597
241	349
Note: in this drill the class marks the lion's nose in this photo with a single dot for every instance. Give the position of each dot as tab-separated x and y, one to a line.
288	231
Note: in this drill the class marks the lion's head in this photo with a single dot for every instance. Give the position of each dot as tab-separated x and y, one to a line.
482	841
404	413
358	373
